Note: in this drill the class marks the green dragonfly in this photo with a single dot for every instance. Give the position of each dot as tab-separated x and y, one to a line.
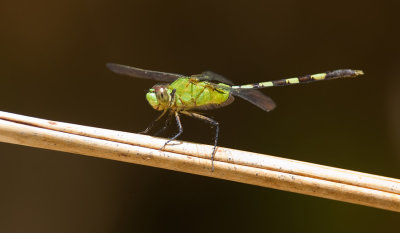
187	95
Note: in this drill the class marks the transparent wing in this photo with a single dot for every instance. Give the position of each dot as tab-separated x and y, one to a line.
257	98
141	73
211	76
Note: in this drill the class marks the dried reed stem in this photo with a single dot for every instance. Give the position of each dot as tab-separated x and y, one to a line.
241	166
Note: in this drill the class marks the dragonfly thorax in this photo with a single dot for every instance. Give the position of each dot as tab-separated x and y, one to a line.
159	96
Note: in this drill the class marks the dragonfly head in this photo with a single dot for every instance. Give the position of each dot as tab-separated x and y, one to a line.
159	97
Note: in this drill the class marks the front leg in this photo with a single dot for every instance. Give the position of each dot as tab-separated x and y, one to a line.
166	124
153	122
178	121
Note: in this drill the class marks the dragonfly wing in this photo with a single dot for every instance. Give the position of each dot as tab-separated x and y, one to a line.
140	73
211	76
257	98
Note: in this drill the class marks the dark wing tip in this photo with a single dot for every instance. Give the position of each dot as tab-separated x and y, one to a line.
112	66
267	106
270	108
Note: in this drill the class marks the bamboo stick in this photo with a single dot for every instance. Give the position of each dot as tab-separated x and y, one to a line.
235	165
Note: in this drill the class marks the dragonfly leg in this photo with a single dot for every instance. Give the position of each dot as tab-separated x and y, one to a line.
214	123
178	122
167	122
172	98
153	122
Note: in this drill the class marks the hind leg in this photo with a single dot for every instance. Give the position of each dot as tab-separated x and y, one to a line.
212	122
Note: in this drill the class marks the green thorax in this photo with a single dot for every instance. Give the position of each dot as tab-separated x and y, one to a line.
191	93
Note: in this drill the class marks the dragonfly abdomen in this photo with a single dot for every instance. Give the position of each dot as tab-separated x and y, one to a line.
344	73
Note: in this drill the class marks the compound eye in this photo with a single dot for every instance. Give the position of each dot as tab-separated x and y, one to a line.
162	94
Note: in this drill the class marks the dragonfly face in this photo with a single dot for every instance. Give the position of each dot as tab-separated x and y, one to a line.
159	97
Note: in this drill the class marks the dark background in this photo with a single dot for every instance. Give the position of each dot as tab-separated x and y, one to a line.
52	66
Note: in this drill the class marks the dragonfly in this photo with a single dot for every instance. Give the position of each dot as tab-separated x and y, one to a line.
189	95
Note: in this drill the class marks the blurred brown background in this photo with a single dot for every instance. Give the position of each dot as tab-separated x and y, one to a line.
52	66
